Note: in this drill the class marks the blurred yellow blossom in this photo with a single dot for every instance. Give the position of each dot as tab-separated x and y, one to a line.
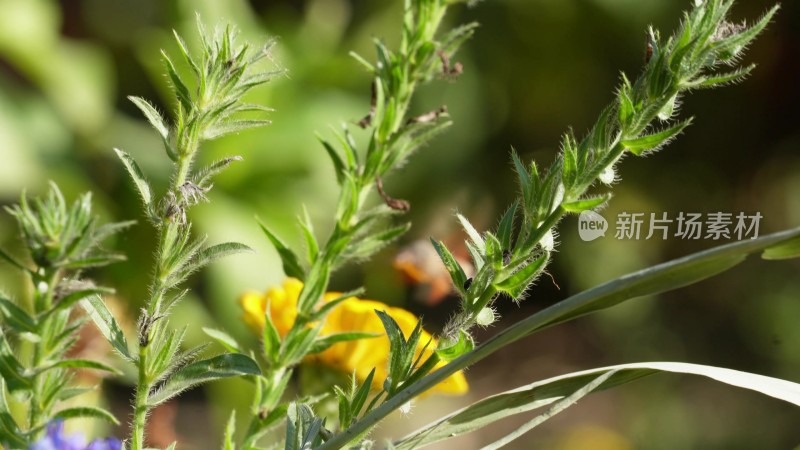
351	315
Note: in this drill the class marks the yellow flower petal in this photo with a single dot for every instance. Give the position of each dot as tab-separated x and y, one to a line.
351	315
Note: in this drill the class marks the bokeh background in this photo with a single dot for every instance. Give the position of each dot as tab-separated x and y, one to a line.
534	68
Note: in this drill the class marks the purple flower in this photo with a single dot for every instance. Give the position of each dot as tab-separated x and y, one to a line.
55	439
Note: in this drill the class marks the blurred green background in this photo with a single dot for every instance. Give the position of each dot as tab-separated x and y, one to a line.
534	68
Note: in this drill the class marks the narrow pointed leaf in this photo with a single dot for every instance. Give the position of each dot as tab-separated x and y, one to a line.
215	252
325	342
545	392
585	204
291	264
558	407
152	115
653	141
86	412
79	364
455	270
223	366
224	339
137	176
96	309
16	317
11	260
11	369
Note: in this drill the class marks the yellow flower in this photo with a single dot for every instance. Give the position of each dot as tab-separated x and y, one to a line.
351	315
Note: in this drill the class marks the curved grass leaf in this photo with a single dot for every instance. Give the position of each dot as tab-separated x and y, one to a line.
784	250
222	366
558	407
545	392
657	279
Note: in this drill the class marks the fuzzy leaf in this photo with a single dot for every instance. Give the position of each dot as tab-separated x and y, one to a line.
152	115
215	252
86	411
79	364
516	283
96	309
585	204
137	176
653	141
455	270
222	366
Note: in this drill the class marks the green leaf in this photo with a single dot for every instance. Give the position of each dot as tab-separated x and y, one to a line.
516	284
722	79
557	407
203	177
505	230
137	176
210	254
312	247
313	288
785	250
271	339
222	366
11	260
181	91
87	412
585	204
152	115
653	141
455	270
325	342
71	299
224	339
233	126
11	369
105	322
473	234
367	246
360	395
79	364
10	434
545	392
16	317
449	350
291	264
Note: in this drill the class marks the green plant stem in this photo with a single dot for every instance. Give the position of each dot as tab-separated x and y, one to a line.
43	300
144	382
